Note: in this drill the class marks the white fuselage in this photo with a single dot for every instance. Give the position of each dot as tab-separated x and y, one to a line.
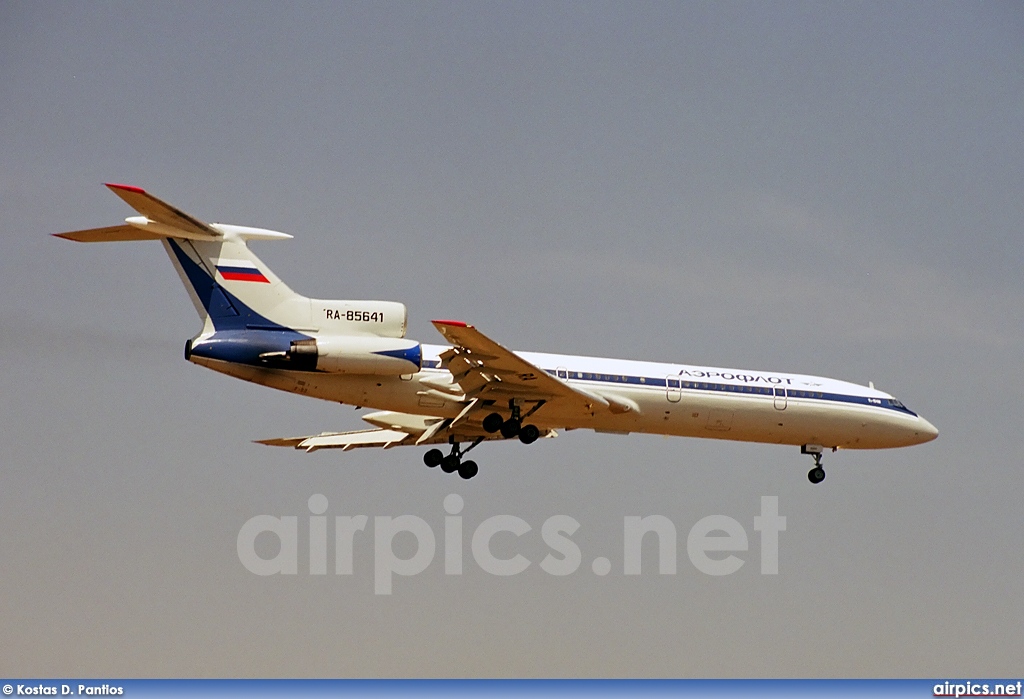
652	397
257	329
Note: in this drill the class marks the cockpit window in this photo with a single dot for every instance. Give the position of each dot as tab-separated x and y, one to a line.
896	404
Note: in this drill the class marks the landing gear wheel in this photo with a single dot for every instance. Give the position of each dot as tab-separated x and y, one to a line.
509	429
493	422
433	457
450	463
817	474
468	469
529	434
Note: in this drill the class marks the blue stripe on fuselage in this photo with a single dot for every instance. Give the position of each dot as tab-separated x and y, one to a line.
737	389
689	385
413	354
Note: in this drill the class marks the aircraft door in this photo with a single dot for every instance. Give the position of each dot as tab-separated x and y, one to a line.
780	398
673	388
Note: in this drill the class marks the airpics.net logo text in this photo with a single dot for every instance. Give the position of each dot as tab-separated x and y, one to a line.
714	544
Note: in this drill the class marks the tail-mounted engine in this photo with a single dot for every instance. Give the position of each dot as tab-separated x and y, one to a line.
334	354
367	355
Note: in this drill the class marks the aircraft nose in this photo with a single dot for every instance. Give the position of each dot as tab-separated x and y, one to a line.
925	430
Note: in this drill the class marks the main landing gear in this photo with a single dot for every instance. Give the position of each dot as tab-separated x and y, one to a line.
453	462
513	427
494	422
817	474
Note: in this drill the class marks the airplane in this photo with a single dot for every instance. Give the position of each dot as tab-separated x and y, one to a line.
474	389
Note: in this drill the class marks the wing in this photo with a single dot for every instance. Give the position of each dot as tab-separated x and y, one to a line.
396	429
487	371
342	440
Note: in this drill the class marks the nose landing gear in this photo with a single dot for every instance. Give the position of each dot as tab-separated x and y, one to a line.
817	474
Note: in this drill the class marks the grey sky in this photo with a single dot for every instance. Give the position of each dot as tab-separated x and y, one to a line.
833	189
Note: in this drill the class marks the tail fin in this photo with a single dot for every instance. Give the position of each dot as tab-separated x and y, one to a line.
229	286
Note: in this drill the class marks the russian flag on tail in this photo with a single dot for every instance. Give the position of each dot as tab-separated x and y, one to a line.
240	271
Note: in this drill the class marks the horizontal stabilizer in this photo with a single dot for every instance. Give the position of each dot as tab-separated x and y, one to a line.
110	234
161	220
160	212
